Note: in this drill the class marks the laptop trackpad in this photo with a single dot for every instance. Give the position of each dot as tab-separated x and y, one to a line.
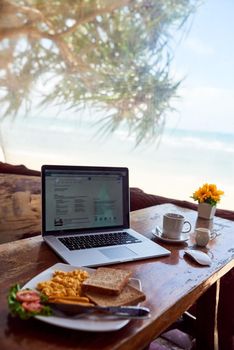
119	252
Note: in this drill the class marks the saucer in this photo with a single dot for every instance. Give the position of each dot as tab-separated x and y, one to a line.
157	233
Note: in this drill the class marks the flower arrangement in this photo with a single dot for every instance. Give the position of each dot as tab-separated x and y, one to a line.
208	193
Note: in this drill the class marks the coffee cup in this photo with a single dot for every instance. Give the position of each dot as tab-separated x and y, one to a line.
173	225
203	236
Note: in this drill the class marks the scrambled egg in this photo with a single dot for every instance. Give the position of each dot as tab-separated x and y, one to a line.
63	284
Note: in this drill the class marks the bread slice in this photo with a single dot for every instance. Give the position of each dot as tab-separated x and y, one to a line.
128	296
108	281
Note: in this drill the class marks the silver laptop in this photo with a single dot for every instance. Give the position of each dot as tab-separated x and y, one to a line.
85	216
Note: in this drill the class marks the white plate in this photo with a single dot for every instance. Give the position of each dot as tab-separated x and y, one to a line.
87	323
183	238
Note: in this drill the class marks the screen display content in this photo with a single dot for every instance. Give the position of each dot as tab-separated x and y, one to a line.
77	200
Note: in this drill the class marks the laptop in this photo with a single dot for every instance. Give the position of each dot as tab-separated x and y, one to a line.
85	216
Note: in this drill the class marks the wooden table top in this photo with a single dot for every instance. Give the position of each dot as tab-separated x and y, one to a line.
172	284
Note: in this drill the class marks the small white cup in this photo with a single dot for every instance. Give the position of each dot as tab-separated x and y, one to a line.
173	225
203	236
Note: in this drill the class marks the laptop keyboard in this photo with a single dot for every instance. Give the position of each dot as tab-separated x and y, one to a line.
98	240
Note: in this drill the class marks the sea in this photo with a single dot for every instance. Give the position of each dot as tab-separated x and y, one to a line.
175	166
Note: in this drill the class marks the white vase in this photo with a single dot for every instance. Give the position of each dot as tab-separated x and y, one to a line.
206	211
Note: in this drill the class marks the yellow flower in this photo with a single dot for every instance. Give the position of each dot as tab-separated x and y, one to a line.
208	193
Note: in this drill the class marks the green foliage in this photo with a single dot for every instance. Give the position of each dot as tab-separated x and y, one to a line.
108	55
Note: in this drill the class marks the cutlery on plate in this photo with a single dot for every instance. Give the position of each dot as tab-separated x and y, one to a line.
76	310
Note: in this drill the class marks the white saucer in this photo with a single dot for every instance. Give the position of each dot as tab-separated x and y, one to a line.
183	238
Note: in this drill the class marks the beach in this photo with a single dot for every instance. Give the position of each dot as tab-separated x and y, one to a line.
183	160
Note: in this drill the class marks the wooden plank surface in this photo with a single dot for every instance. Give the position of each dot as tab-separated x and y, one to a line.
172	284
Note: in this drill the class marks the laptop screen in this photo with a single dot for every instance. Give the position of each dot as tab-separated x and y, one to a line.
84	198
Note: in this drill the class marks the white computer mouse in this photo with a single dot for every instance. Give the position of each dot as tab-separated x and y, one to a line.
200	257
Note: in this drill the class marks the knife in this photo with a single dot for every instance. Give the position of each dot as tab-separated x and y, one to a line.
77	311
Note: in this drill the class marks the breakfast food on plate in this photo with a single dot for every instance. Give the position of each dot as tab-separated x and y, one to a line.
77	301
64	284
128	296
108	281
109	287
26	303
103	287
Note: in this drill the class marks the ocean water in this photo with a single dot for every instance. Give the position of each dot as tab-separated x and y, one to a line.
176	167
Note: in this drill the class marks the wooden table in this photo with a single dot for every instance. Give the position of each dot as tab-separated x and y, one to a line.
172	284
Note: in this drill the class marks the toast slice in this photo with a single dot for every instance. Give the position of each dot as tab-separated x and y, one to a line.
107	281
128	296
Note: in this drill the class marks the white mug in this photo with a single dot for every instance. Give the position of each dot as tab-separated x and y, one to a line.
173	225
203	236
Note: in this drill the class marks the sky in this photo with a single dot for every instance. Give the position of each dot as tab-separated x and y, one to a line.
205	59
